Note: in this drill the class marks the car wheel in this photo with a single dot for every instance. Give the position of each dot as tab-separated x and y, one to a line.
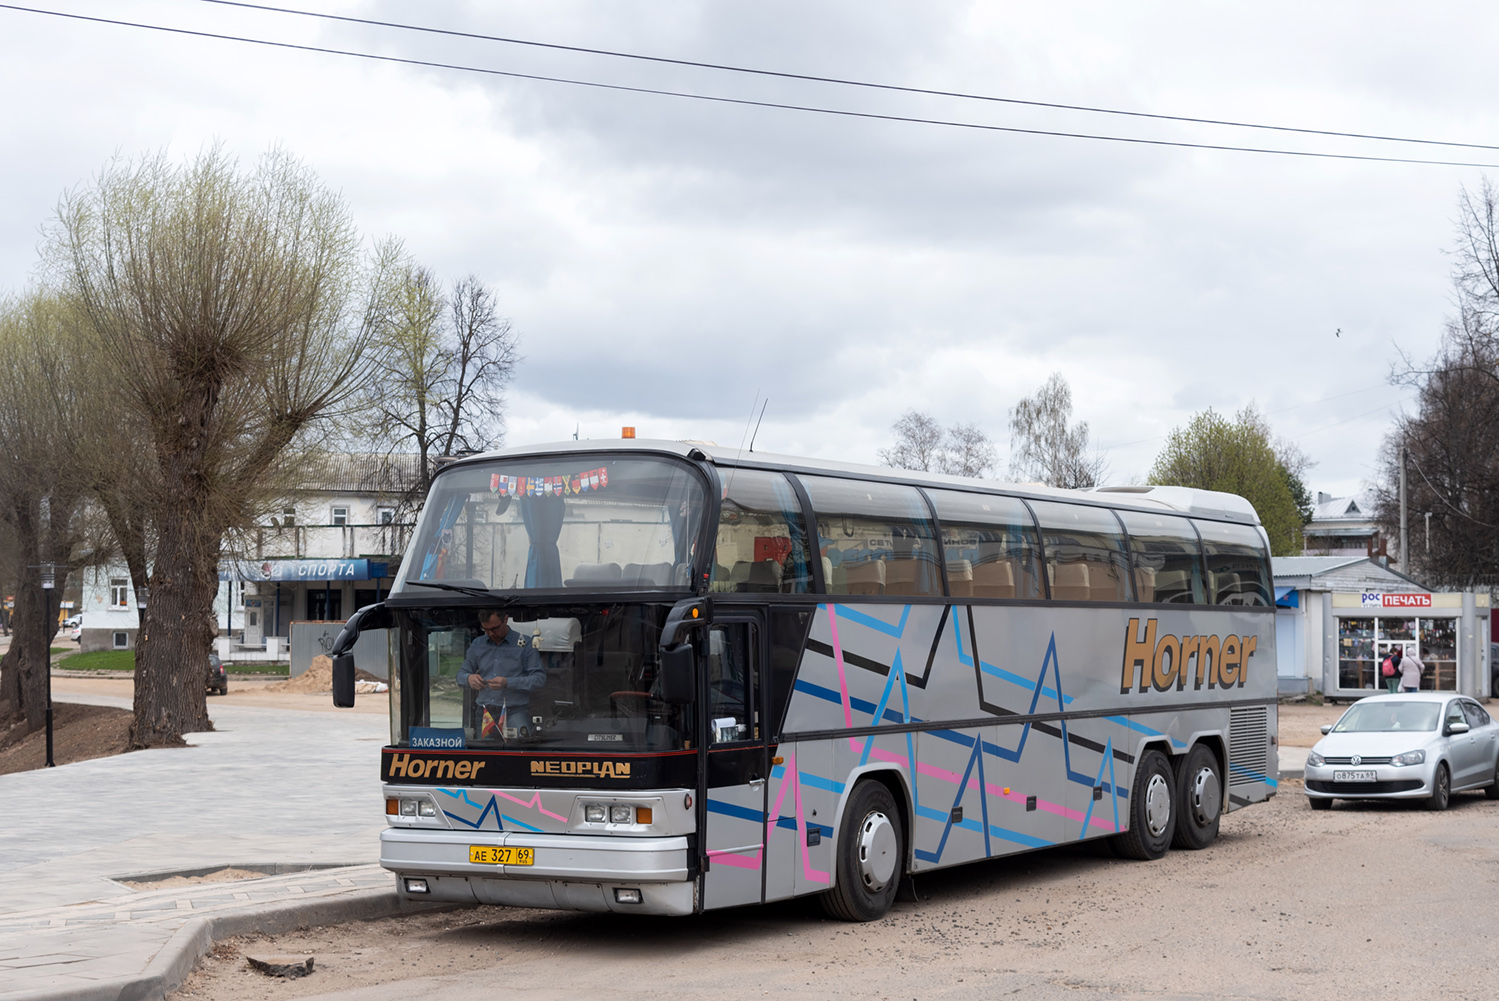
871	856
1199	792
1492	790
1320	804
1441	789
1152	810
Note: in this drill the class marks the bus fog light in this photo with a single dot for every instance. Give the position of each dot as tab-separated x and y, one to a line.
408	808
623	896
621	815
417	886
594	813
427	808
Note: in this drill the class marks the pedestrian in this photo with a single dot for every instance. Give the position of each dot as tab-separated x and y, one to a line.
1390	670
1411	670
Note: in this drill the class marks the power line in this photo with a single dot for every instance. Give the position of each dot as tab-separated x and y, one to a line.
745	102
839	81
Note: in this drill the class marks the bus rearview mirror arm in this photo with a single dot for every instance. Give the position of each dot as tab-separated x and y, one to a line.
375	616
678	657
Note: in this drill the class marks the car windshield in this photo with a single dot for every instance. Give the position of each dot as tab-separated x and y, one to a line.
578	522
1383	717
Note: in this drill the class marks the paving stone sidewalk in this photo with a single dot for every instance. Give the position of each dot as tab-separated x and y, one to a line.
295	795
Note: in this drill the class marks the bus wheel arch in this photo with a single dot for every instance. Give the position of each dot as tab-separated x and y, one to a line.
1201	788
869	858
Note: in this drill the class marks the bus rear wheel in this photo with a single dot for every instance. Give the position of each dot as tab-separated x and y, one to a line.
1199	796
871	856
1152	810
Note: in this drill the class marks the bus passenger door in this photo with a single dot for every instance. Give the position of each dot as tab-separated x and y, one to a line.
735	837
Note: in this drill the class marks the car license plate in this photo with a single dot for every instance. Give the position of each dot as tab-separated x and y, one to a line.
1364	776
490	855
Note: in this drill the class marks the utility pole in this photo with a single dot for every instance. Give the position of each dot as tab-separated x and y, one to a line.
1404	535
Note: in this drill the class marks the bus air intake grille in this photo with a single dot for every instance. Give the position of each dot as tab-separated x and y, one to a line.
1248	745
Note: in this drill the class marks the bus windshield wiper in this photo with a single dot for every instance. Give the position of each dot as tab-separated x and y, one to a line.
477	592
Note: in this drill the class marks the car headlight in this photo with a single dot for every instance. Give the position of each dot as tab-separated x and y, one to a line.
1315	760
1409	758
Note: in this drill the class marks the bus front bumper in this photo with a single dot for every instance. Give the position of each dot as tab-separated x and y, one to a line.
571	872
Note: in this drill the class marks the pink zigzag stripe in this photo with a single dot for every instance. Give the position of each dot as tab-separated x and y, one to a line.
735	860
848	710
1014	797
535	801
791	776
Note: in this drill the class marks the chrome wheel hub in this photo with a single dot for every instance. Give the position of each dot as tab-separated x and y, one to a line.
877	848
1157	805
1207	796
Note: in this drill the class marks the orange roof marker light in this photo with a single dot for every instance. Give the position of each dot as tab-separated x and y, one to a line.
627	432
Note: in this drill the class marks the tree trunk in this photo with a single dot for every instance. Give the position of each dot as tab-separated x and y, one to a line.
25	669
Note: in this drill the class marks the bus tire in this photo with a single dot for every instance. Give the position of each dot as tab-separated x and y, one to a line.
871	856
1199	798
1152	810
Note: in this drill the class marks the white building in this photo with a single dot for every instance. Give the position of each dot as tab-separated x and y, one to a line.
328	549
1344	526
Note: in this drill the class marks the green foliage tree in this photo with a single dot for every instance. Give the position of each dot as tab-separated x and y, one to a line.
1238	457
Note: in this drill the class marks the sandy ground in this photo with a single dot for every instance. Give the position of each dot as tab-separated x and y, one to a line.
1382	901
242	692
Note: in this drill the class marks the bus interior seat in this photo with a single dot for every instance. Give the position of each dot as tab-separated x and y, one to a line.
1145	583
994	580
1172	585
1224	585
647	574
1070	582
1105	583
901	577
960	578
594	573
756	577
866	578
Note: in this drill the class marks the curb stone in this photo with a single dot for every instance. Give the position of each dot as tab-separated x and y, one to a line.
179	956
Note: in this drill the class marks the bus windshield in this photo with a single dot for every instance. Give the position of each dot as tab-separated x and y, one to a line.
572	522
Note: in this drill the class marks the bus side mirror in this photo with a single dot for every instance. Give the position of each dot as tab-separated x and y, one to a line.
678	674
343	681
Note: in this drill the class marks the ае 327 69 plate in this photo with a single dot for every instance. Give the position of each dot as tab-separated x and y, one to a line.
492	855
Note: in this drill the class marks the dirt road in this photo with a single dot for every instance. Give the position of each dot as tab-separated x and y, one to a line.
1381	901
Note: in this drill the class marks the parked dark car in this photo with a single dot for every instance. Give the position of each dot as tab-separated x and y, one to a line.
218	678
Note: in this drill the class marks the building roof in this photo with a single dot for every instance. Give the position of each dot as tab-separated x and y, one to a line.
1339	573
1358	509
362	472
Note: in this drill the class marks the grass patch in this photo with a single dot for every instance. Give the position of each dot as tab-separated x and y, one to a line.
100	660
281	670
59	649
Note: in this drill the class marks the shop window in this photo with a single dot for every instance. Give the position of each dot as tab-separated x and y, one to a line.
1238	564
762	540
340	516
119	592
1084	547
1356	666
1438	651
990	545
1167	558
874	538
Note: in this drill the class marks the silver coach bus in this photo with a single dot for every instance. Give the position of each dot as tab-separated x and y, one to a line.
767	677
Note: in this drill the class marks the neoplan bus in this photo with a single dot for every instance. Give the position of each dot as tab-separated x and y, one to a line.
770	677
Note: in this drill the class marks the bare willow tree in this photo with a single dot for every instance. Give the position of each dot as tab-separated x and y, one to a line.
922	443
40	497
439	374
232	310
1042	446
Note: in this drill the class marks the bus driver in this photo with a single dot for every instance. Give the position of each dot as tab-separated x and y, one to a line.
504	669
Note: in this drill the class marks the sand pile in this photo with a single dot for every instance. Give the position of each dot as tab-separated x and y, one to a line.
316	679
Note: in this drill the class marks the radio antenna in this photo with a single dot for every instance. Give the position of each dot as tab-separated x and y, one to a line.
757	423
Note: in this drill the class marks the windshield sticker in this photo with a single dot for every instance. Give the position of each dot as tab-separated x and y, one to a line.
437	738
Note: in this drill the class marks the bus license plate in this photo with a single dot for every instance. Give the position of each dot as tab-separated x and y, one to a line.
491	855
1363	776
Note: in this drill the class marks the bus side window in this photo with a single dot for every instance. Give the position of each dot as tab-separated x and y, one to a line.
1085	557
762	540
1167	556
874	538
989	544
1238	564
733	677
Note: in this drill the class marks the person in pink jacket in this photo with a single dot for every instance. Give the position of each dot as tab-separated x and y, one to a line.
1411	669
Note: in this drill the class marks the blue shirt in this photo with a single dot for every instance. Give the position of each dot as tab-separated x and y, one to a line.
513	659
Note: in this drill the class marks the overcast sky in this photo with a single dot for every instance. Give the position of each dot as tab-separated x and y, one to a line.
668	261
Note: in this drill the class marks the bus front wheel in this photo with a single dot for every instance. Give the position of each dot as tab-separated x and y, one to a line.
1152	810
871	856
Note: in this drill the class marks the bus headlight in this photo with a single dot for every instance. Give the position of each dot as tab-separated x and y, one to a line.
621	815
594	813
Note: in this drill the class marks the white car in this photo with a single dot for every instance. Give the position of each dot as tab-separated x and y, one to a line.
73	621
1413	745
